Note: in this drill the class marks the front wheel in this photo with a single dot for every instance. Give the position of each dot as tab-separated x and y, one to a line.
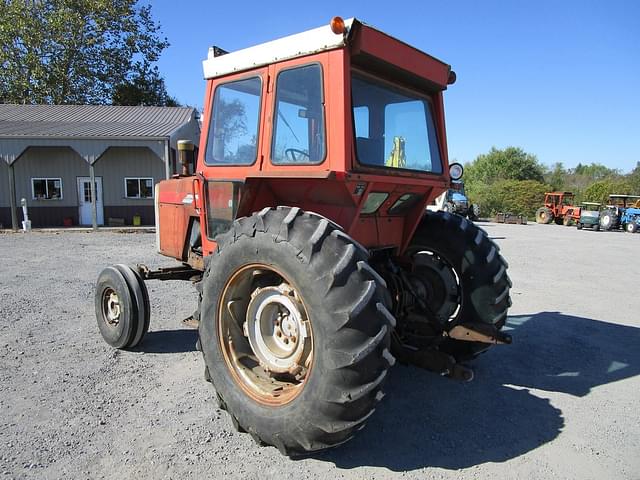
632	227
122	306
294	330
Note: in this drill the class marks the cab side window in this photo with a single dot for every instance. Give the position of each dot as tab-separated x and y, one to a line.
299	131
233	131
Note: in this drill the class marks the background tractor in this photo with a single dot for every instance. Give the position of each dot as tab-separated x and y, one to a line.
558	207
455	200
623	211
306	235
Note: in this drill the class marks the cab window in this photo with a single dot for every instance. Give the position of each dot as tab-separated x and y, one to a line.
233	132
299	133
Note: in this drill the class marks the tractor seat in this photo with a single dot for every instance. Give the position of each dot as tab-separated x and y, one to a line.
370	150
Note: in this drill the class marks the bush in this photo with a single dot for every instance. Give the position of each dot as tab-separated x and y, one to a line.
520	197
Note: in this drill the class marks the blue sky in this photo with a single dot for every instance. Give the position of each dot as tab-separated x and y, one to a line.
560	79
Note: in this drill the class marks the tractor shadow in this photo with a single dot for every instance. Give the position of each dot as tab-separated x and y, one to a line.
169	341
430	421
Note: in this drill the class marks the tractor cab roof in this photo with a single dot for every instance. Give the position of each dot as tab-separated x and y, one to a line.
591	204
366	44
613	195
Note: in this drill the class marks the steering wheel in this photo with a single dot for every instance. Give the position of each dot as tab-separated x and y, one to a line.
296	155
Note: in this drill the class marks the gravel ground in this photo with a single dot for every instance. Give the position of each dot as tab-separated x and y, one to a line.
561	402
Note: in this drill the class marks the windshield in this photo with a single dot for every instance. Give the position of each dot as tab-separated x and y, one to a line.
393	128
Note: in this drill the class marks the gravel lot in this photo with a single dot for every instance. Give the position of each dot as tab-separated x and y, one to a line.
561	402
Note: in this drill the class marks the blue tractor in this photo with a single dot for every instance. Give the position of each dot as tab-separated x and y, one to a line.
455	200
623	211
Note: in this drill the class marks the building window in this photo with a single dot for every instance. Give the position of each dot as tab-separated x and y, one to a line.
46	188
138	187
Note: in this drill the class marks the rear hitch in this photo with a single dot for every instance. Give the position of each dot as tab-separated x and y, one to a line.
436	361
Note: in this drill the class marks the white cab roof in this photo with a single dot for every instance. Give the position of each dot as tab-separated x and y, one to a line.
298	45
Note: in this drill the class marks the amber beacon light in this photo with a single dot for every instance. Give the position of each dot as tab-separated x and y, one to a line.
337	25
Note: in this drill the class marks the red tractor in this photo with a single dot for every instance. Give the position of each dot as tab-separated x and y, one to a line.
559	208
308	238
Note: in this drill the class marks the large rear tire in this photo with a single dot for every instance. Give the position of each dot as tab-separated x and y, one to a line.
283	274
544	215
607	220
482	290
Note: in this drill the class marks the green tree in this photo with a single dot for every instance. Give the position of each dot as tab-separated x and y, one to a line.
599	191
144	88
556	176
512	163
634	179
595	171
74	51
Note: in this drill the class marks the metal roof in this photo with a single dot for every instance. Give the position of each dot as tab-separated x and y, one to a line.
64	121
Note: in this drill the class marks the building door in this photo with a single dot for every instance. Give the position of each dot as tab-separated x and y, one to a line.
84	201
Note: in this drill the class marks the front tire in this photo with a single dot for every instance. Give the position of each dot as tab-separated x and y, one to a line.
122	306
481	275
307	397
632	227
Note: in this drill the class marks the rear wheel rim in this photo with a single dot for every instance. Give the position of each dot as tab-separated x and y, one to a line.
265	334
439	285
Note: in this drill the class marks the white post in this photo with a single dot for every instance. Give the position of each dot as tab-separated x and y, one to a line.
26	223
94	208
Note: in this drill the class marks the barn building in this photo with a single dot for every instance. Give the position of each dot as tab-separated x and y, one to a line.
50	153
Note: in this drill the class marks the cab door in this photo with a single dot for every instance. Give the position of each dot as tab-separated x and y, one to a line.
231	148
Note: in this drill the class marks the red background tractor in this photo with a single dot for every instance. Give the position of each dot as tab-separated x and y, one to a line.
558	208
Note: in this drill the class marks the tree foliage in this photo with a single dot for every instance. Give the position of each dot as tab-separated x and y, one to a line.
144	88
78	52
599	191
508	180
512	163
513	181
520	197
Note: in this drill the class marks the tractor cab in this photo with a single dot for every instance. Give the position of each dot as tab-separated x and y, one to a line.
344	120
